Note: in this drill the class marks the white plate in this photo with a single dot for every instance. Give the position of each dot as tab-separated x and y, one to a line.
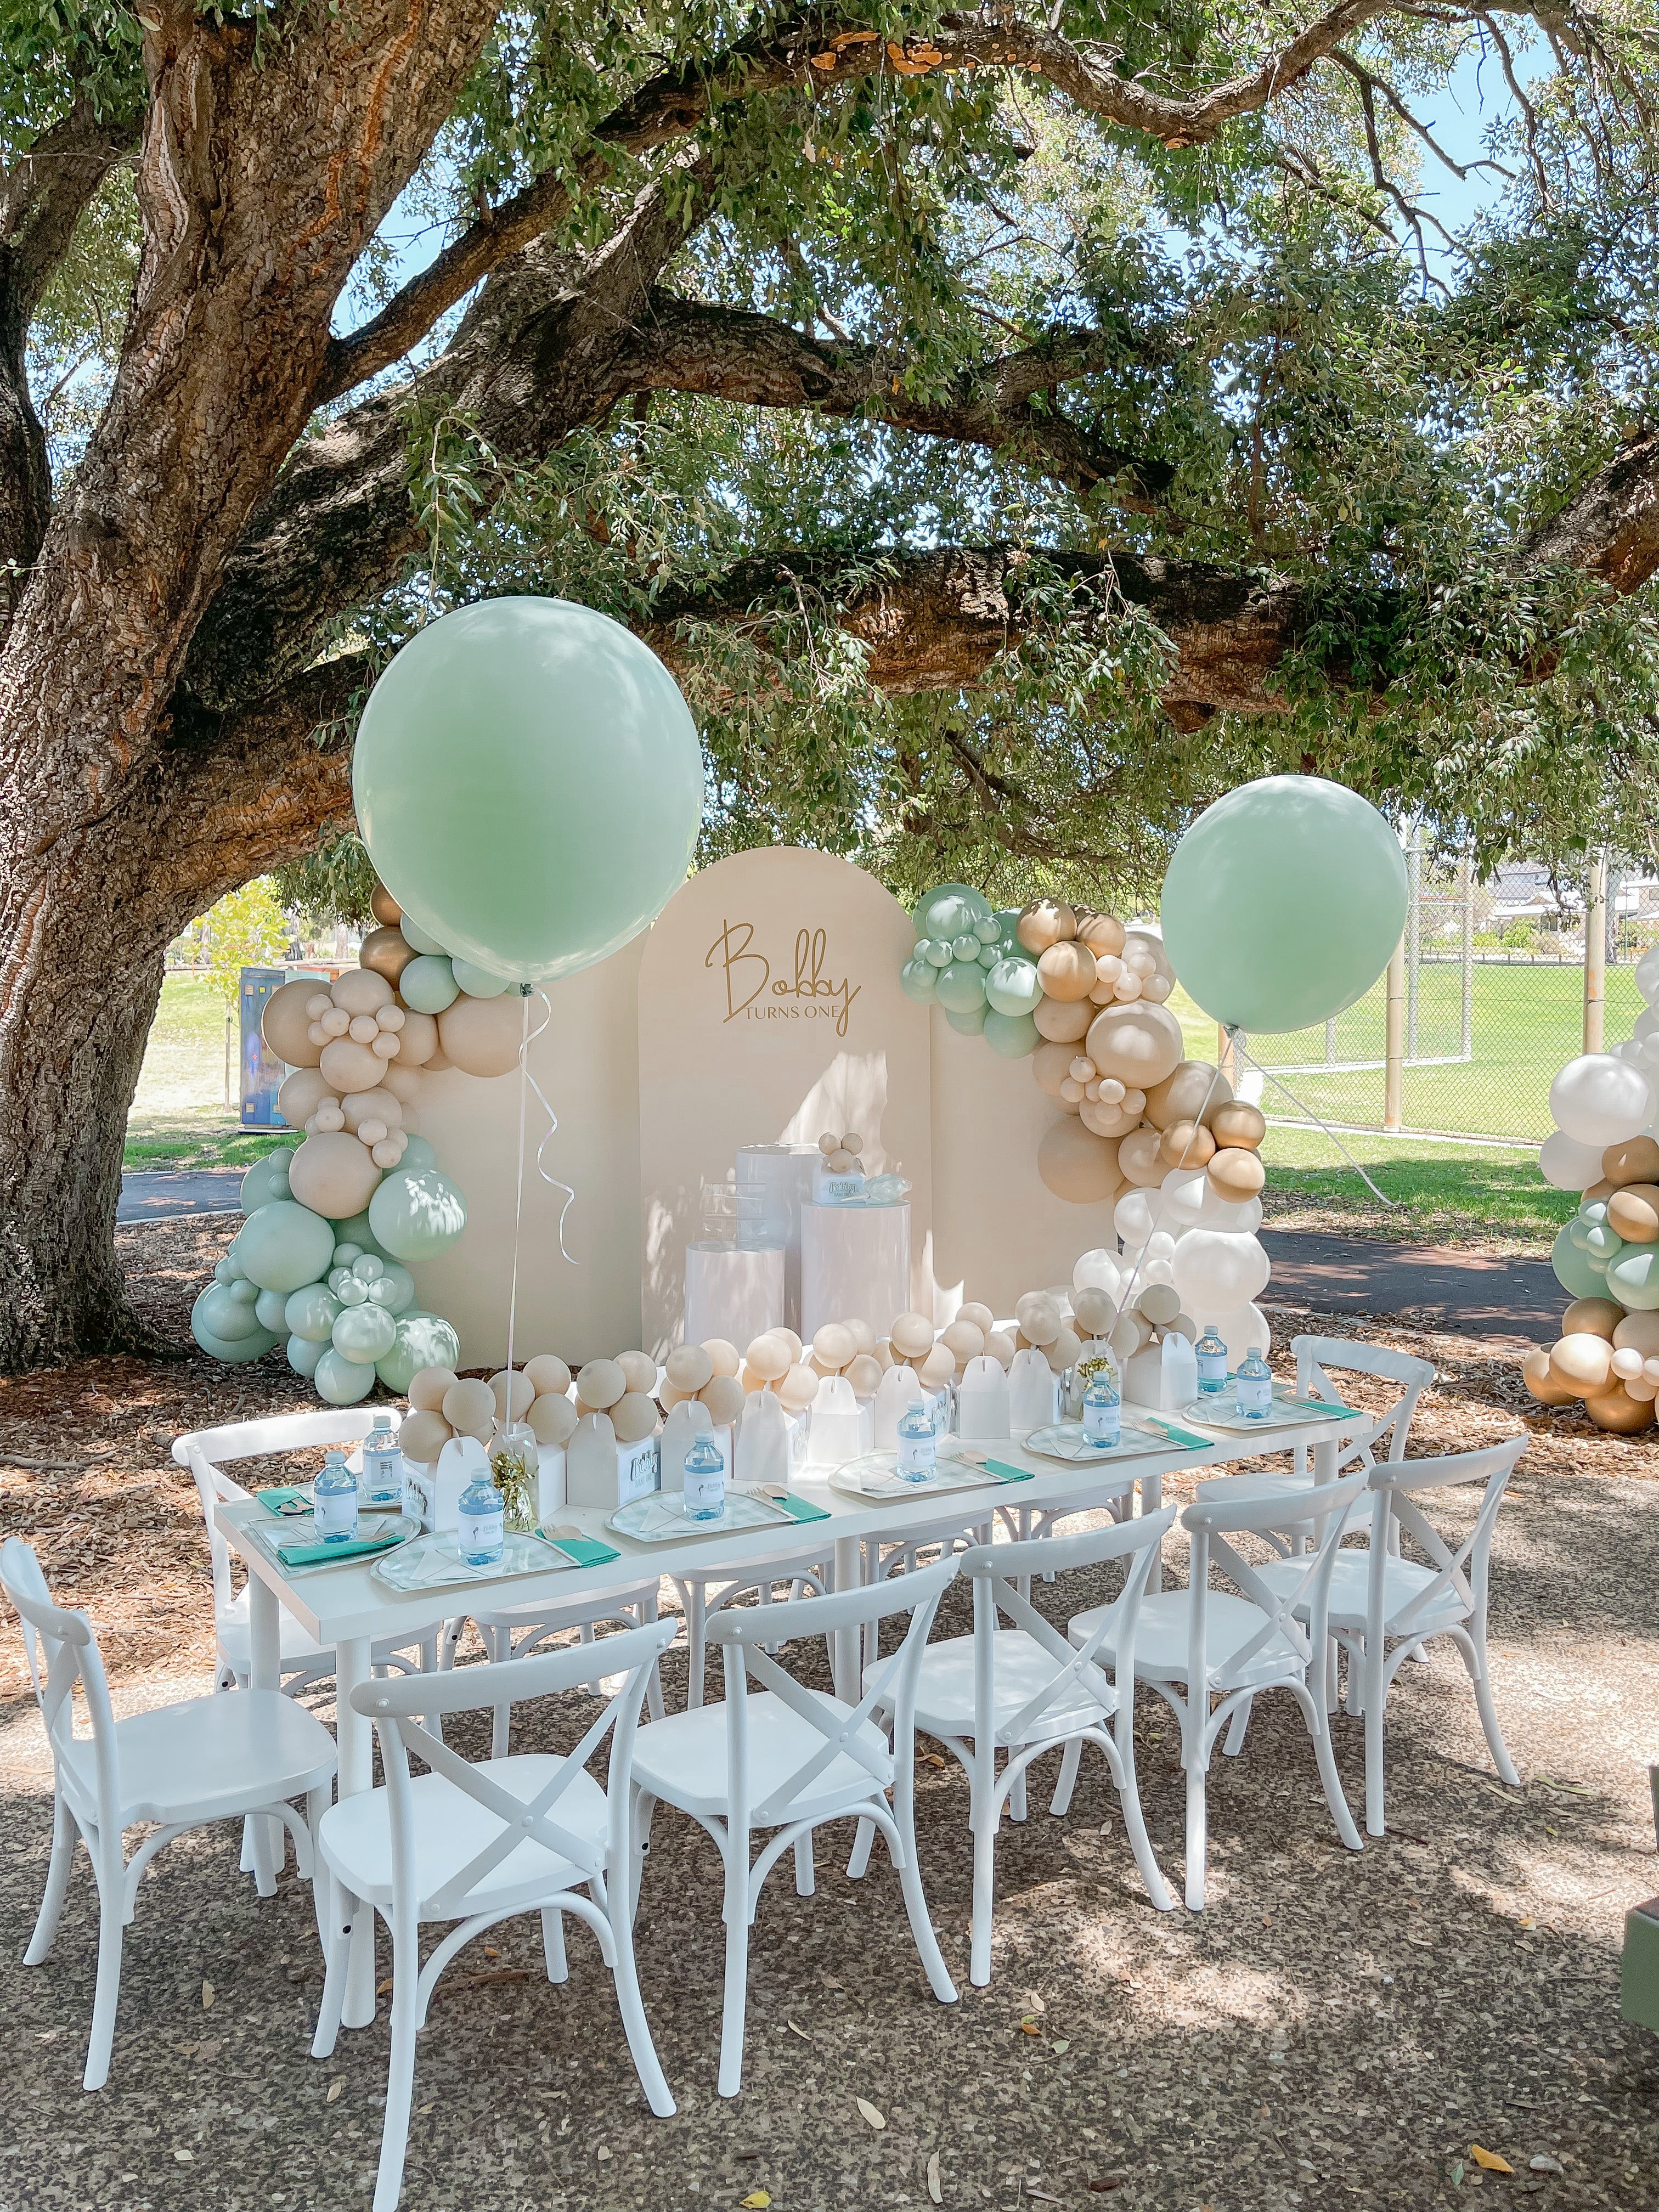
874	1475
661	1517
1065	1440
302	1529
434	1562
1221	1411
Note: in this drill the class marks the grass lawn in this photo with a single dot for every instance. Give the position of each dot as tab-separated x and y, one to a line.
179	1118
1441	1194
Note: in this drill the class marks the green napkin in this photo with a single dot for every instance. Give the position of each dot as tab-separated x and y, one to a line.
284	1500
1005	1473
1181	1436
315	1555
581	1551
797	1509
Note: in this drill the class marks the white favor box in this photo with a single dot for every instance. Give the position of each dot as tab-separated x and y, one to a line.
1035	1393
982	1403
552	1482
765	1441
438	1484
1163	1376
684	1424
600	1472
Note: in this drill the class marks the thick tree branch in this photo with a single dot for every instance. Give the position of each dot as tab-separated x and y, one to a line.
1611	529
683	345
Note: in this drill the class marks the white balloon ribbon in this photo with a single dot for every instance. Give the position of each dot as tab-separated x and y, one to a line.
527	1083
1394	1205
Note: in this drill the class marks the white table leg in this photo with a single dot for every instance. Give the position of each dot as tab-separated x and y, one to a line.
265	1837
1152	1501
355	1739
845	1654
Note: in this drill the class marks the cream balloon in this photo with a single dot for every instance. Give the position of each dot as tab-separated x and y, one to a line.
419	1040
301	1094
1077	1165
333	1174
360	991
286	1021
481	1037
348	1065
1140	1044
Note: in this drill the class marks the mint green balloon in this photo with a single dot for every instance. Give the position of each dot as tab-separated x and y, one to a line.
1283	902
223	1315
303	1355
1633	1276
918	980
428	984
478	982
357	1231
1573	1268
266	1180
1011	1035
960	987
310	1314
967	1021
365	1333
950	910
394	1290
417	1216
341	1382
271	1309
423	1339
530	784
283	1245
1013	987
232	1350
422	940
939	953
417	1153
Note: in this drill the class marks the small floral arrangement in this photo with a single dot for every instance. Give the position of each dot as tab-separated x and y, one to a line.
515	1465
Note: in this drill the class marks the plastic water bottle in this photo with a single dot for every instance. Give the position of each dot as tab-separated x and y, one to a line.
334	1494
918	1448
705	1479
1103	1412
1256	1388
481	1523
382	1463
1211	1354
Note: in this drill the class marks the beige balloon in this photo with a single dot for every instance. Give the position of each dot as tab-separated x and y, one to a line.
863	1336
1094	1311
1138	1042
437	1064
333	1174
428	1387
600	1383
384	908
634	1417
404	1084
963	1341
639	1371
1634	1210
834	1344
362	991
348	1065
1051	1065
1236	1176
284	1024
1186	1145
1066	971
552	1420
1594	1318
1077	1165
798	1388
470	1408
423	1436
1191	1092
1064	1352
1159	1304
1635	1160
1141	946
379	1104
481	1036
769	1358
999	1346
723	1394
387	952
863	1372
300	1095
1239	1125
796	1346
1063	1022
1616	1410
727	1357
937	1369
548	1374
1640	1330
1046	922
1107	1121
911	1335
1103	933
690	1368
419	1041
522	1397
1038	1317
1139	1155
1581	1364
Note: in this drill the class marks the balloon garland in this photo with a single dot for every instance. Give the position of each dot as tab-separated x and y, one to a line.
1606	1146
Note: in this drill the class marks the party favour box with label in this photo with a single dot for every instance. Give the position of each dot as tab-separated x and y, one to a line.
1163	1375
438	1485
598	1471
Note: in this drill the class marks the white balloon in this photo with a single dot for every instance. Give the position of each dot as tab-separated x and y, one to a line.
1099	1270
1647	1052
1630	1051
1247	1330
1563	1161
1601	1100
1160	1245
1647	975
1157	1271
1181	1198
1646	1024
1217	1212
1132	1218
1217	1272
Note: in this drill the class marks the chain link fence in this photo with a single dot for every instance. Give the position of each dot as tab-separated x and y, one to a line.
1493	983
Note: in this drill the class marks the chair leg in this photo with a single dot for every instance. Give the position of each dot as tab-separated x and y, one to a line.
558	1967
1475	1658
316	1805
635	2026
653	1704
107	1988
57	1874
1331	1781
501	1718
249	1863
737	1963
864	1836
1070	1758
641	1813
979	1934
265	1861
1237	1728
1197	1838
1017	1808
342	1909
696	1639
806	1873
1375	1662
915	1903
400	2070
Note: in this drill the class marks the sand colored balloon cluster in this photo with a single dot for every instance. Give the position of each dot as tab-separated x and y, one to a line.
442	1405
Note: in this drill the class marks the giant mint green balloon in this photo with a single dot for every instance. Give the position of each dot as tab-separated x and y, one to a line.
424	1340
1014	988
1283	902
417	1216
529	784
1011	1035
283	1245
1573	1268
960	987
232	1350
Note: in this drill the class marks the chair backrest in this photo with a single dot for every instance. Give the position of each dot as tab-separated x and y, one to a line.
841	1733
1462	1573
1211	1523
997	1571
205	1452
62	1650
1316	1356
398	1708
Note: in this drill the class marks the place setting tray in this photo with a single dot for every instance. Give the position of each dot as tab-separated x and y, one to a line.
434	1562
1222	1411
873	1477
659	1518
1139	1434
291	1542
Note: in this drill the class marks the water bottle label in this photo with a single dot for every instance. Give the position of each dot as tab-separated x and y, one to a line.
917	1456
1102	1425
382	1473
336	1512
705	1492
1256	1393
1212	1369
481	1532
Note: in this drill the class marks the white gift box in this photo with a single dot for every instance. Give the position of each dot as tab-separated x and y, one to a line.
830	1187
765	1441
899	1388
1035	1393
982	1403
438	1484
1163	1376
598	1471
552	1490
835	1430
685	1423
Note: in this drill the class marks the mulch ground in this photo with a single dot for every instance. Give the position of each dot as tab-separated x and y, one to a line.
1334	2030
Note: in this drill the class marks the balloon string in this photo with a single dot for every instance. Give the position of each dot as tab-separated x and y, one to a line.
1394	1205
546	1104
518	1204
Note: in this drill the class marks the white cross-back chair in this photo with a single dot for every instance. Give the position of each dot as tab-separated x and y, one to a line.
1384	1607
789	1759
476	1844
801	1574
1208	1652
517	1631
1023	1690
179	1766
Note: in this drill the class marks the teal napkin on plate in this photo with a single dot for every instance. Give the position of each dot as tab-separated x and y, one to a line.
1180	1436
285	1500
581	1551
797	1509
315	1555
1006	1473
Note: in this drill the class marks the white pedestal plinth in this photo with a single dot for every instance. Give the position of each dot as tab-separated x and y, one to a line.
732	1293
785	1173
855	1265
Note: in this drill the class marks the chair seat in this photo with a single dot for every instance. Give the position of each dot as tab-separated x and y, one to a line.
208	1758
451	1827
682	1759
945	1690
1161	1638
1404	1580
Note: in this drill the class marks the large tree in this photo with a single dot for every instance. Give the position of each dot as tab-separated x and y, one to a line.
1009	423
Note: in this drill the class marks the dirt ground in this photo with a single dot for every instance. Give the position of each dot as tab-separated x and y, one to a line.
1334	2030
